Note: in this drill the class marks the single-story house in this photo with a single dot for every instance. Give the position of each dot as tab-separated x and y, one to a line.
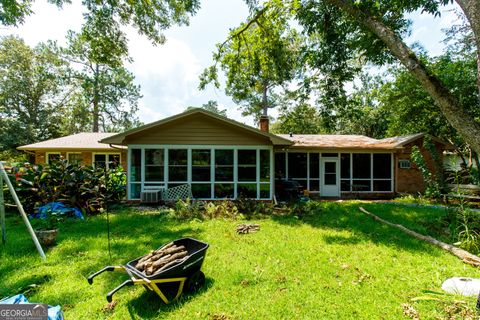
83	148
221	158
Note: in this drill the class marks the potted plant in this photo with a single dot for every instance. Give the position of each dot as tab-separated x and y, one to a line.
46	227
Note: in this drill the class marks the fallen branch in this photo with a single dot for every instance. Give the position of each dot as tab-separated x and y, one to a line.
466	256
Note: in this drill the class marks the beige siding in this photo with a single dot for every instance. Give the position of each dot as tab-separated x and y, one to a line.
198	130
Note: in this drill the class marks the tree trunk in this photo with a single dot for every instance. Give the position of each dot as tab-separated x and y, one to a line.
96	99
471	8
458	117
466	256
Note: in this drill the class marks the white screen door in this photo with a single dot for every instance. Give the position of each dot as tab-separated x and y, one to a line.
330	182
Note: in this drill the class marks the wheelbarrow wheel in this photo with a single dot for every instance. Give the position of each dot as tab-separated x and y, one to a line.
195	282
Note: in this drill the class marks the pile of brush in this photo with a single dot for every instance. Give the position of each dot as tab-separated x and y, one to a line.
162	259
247	228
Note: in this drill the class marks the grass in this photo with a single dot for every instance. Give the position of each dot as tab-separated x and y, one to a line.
335	264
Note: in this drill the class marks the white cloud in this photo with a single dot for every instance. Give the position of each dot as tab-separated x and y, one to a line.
168	75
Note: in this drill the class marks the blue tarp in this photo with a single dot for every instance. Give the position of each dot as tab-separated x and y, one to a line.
54	313
58	208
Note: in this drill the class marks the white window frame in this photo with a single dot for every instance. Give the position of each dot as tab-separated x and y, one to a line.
350	180
404	163
68	155
47	158
106	157
212	181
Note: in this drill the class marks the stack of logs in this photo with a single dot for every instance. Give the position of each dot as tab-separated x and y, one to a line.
161	259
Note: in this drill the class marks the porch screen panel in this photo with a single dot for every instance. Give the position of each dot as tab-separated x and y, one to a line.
314	172
264	186
177	166
280	165
154	165
361	172
382	172
297	167
135	173
345	173
201	173
247	172
224	186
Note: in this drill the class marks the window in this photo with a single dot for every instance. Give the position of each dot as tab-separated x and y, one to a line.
280	165
224	167
178	165
404	164
154	165
247	165
74	158
108	160
53	157
366	172
314	159
382	172
201	172
211	172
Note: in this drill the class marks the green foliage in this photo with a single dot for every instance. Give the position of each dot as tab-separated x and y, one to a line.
212	106
433	188
104	20
301	119
74	185
259	58
32	93
106	98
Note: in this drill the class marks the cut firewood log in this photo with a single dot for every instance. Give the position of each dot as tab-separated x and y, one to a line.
247	228
170	264
466	256
156	260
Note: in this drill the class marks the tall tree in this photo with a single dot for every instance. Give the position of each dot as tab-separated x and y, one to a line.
33	95
108	97
347	33
300	119
258	58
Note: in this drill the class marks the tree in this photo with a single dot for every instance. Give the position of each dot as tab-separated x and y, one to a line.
105	18
212	106
301	119
107	96
33	97
258	58
349	33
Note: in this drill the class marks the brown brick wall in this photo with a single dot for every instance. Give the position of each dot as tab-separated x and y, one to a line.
411	180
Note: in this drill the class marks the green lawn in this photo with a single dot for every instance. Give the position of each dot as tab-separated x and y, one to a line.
337	264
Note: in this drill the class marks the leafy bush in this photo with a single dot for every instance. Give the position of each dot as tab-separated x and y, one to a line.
433	183
77	186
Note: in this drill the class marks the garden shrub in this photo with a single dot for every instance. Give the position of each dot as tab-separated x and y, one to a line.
434	184
78	186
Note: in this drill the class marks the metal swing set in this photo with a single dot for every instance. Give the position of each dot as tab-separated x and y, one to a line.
18	205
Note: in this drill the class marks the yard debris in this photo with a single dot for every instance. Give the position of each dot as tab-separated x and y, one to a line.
466	256
410	312
161	259
247	228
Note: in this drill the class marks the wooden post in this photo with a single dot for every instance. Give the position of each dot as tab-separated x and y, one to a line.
2	212
22	212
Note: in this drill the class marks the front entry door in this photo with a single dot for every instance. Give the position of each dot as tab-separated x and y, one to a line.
330	182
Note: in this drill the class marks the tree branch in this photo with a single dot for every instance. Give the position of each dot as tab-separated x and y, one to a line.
455	113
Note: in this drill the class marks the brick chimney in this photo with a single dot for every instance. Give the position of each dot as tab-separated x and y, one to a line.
264	123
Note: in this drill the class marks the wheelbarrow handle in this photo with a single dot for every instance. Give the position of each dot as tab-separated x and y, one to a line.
90	277
126	283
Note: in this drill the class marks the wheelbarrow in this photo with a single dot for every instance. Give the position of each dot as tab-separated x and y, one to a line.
168	284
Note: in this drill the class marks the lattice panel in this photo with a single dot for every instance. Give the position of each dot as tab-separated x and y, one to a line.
181	192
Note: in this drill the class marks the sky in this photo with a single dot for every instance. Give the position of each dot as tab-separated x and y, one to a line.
168	74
